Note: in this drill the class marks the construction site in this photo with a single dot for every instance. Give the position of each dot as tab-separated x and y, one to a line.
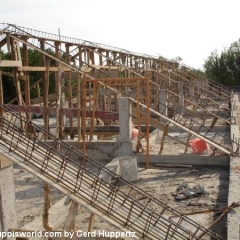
128	146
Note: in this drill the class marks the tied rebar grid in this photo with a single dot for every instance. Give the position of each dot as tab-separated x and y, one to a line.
26	143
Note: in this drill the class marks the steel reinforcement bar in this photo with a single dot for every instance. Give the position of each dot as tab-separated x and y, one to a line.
118	205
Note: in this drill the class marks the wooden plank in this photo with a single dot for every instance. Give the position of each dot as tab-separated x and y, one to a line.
27	81
213	122
51	97
3	42
79	106
153	121
165	132
91	222
69	91
45	97
65	111
10	74
1	93
59	98
10	63
15	45
173	165
42	69
105	67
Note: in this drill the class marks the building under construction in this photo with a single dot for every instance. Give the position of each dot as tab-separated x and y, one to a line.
104	88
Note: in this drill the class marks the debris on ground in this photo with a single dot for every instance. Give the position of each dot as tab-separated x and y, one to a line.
183	191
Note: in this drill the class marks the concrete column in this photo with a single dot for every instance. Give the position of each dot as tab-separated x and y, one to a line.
125	126
128	162
8	217
180	93
199	86
207	85
163	106
191	90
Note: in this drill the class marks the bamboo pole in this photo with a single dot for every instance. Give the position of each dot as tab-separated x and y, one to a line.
26	82
47	205
69	93
91	222
83	120
59	117
1	93
79	105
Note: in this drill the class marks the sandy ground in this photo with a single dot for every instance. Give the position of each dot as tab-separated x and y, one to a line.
161	183
29	196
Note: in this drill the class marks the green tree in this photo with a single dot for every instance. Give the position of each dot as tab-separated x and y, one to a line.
179	59
7	82
34	59
225	67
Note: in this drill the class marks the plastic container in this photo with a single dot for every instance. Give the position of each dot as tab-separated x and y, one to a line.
134	133
198	145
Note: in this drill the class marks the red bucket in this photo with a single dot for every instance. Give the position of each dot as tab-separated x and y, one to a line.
198	145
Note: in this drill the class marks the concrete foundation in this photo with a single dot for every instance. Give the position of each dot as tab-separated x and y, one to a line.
129	168
8	218
187	159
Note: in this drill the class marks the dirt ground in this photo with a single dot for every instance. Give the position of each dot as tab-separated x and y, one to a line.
161	183
29	195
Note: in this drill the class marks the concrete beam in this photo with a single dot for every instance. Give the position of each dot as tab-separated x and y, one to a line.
186	159
233	217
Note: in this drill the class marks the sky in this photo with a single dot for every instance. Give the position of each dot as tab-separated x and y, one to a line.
190	29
